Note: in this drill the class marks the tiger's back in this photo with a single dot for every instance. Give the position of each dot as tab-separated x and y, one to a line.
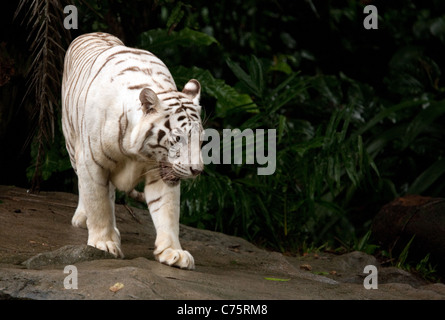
102	80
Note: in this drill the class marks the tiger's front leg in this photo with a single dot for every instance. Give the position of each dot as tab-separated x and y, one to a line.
96	209
163	203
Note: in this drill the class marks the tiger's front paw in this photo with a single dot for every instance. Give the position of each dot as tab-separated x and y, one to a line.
175	258
106	241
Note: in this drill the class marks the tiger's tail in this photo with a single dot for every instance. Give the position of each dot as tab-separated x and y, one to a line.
136	195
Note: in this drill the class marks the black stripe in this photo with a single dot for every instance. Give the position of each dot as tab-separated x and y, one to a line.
169	98
152	182
158	84
146	71
189	108
157	146
161	134
138	86
148	134
167	91
159	64
105	154
92	155
180	109
194	116
153	201
167	124
122	132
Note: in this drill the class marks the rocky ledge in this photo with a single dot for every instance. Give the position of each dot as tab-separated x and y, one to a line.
43	257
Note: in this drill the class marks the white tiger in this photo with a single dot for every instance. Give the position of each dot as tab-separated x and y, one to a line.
121	116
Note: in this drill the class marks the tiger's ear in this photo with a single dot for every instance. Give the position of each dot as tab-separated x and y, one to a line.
149	100
193	90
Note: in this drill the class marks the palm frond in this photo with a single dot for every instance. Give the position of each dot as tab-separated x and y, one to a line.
47	39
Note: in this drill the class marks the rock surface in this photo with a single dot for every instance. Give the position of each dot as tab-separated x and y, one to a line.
37	242
417	218
66	255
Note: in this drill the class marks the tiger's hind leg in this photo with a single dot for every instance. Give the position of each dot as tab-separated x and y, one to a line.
80	217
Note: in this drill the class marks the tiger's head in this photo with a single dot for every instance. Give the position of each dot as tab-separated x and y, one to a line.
173	130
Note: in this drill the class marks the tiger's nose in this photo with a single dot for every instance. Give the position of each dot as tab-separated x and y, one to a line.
195	170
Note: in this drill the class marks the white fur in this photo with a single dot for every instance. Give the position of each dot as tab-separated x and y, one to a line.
106	126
